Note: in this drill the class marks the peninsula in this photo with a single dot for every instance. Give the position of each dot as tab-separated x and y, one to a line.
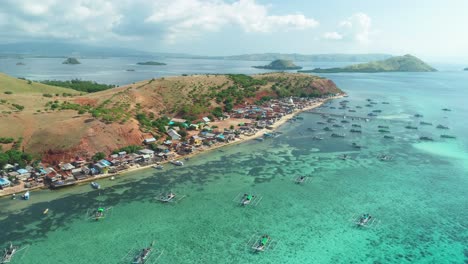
406	63
279	65
172	117
71	61
155	63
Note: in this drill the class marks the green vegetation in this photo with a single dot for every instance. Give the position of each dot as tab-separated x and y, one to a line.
151	63
405	63
13	156
149	123
22	86
8	92
47	95
280	65
71	61
79	85
98	156
6	140
18	107
128	149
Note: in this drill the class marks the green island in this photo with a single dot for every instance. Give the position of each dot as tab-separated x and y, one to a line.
71	61
155	63
280	65
406	63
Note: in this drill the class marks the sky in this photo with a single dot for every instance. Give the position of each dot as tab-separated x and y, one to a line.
429	28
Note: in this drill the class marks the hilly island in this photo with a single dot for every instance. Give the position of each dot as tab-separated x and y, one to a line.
279	65
57	124
406	63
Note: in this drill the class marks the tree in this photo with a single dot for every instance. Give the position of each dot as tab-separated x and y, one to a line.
98	156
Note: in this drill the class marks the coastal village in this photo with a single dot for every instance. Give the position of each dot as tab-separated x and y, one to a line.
242	123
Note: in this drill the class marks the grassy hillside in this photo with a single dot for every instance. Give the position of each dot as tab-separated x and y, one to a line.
280	65
15	85
407	63
61	127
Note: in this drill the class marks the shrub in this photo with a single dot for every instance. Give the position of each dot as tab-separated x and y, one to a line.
8	92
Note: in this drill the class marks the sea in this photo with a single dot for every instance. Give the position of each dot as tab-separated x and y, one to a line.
416	195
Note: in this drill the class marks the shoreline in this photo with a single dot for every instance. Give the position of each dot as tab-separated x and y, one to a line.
135	168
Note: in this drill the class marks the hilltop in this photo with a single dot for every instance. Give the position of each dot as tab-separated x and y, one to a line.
406	63
280	65
71	61
64	124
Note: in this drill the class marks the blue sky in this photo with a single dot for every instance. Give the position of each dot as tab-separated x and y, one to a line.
430	29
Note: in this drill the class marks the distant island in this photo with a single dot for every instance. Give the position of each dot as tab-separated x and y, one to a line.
406	63
466	69
151	63
71	61
280	65
20	64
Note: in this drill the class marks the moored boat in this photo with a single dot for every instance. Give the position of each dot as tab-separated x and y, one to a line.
389	137
426	138
337	135
447	136
95	185
355	131
143	255
177	162
411	127
442	127
10	251
425	123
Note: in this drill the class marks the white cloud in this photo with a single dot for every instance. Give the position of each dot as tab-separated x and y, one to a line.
332	36
193	17
358	27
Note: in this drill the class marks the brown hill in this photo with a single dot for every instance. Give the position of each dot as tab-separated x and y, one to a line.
62	127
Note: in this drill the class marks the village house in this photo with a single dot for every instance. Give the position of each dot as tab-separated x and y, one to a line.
149	140
173	134
148	152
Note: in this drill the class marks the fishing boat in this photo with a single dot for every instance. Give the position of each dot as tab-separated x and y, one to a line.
247	199
425	123
10	251
300	179
442	127
377	111
355	131
45	211
95	185
355	125
143	255
352	110
158	167
385	103
320	123
388	137
61	184
384	131
418	115
336	125
447	136
368	105
446	109
337	135
358	107
327	129
426	138
177	162
344	121
25	196
386	127
364	220
167	197
317	138
262	243
374	103
411	127
372	114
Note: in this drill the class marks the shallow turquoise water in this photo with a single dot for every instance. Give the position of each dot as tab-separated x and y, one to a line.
419	198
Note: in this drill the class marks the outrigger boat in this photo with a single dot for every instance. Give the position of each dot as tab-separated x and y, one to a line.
247	199
384	131
425	123
442	127
99	213
447	136
418	115
426	138
301	179
385	157
10	251
411	127
177	162
337	135
95	185
146	255
143	255
158	167
355	131
365	220
386	127
262	243
388	137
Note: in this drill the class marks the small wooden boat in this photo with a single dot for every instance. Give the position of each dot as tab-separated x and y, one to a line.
95	185
411	127
337	135
177	162
447	136
425	123
143	255
442	127
426	138
45	211
389	137
10	251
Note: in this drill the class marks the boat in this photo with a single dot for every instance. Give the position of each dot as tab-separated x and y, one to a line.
130	69
386	127
364	220
356	146
344	157
95	185
374	103
320	123
447	136
317	138
168	197
158	167
442	127
299	118
385	103
388	137
351	110
384	157
327	129
355	131
259	139
262	243
418	115
177	162
446	109
358	107
10	251
355	125
371	114
143	255
99	213
411	127
368	105
425	123
247	199
25	196
112	178
337	135
311	129
332	107
45	211
344	121
300	179
336	125
377	111
426	138
384	131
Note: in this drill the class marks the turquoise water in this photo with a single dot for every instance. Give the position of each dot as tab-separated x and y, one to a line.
419	199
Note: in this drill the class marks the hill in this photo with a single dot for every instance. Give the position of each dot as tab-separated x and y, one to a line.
406	63
280	65
63	127
71	61
151	63
313	57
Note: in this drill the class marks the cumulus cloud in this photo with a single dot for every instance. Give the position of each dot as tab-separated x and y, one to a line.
188	17
332	36
169	20
357	27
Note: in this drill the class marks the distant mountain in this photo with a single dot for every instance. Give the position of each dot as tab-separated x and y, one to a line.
71	61
280	65
466	69
407	63
315	57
